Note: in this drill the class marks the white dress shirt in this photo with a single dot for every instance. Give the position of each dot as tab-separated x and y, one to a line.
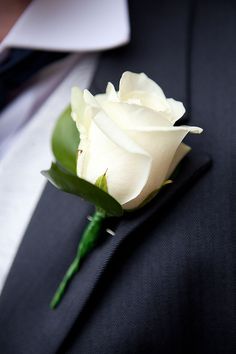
26	124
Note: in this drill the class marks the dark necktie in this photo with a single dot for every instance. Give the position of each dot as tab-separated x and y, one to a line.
18	67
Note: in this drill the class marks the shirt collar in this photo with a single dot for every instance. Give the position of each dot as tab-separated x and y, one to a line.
72	25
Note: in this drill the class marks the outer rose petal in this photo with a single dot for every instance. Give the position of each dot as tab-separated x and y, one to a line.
161	144
77	103
109	150
134	116
90	100
181	152
80	112
131	82
140	90
110	95
177	109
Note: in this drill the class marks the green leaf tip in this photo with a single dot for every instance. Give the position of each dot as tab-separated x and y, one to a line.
101	182
168	181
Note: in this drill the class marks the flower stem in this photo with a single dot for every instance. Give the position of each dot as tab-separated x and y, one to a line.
86	244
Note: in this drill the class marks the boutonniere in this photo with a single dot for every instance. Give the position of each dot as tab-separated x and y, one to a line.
116	150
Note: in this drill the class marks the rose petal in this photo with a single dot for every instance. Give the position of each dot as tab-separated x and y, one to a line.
111	93
77	103
109	150
181	152
80	112
133	116
185	128
162	144
90	99
177	109
140	90
131	82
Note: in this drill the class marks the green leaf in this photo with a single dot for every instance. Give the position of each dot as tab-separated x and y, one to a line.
75	185
65	141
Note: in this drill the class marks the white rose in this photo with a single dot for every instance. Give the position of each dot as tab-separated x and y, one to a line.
129	135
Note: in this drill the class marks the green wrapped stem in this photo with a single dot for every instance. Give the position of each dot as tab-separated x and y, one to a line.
88	240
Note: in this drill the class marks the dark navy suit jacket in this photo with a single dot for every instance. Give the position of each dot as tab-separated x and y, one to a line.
165	283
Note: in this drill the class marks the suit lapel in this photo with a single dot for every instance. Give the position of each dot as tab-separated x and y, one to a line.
51	240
